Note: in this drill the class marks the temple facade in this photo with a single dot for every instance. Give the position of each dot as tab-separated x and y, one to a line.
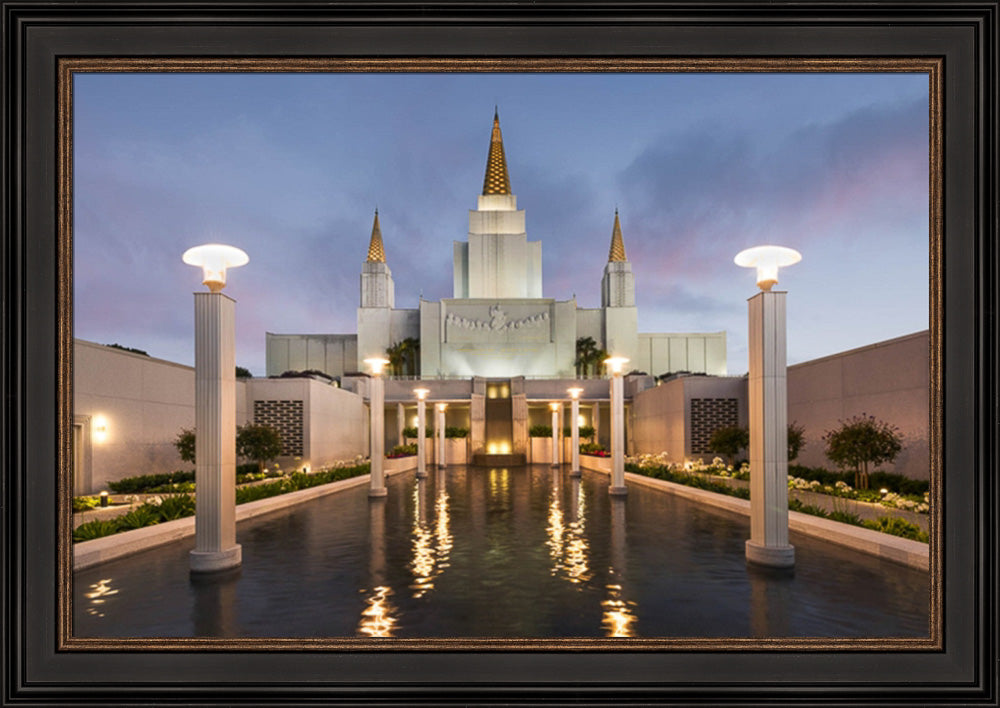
499	323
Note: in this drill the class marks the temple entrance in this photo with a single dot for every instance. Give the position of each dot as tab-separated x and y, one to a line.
498	412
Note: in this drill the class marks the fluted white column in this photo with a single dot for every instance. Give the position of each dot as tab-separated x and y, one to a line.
421	442
400	423
617	436
555	435
441	457
215	546
574	444
768	543
376	402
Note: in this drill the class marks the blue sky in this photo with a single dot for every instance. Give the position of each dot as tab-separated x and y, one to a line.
290	167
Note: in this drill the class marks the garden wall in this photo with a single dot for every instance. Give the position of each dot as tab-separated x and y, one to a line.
889	380
141	402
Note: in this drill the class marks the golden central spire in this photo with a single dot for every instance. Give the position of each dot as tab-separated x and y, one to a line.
376	254
617	252
496	181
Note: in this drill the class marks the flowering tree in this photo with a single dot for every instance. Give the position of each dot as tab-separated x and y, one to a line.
862	441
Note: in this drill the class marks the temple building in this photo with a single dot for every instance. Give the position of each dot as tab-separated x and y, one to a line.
498	323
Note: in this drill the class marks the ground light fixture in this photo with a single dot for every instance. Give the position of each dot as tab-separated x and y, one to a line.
574	443
421	394
616	365
376	406
767	260
768	405
214	259
215	547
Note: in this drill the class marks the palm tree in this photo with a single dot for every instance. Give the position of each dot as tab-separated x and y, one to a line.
396	354
585	349
411	353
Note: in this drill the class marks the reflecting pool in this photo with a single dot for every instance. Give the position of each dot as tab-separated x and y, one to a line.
521	552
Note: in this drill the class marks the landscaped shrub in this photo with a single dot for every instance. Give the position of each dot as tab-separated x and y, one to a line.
412	432
403	451
729	440
150	483
94	529
259	443
455	432
540	431
897	527
145	515
176	507
862	441
85	503
689	480
592	448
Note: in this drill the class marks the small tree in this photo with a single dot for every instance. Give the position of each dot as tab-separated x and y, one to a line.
258	443
861	441
243	373
184	442
796	440
728	441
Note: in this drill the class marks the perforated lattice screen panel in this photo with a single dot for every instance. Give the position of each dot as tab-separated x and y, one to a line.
707	416
286	418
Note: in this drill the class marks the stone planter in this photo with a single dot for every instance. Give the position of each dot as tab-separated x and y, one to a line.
541	451
456	451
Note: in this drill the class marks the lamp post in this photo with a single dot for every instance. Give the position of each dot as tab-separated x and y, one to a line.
555	433
421	394
768	543
615	364
376	404
574	426
442	461
215	546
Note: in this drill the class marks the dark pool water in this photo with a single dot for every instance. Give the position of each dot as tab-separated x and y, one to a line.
525	552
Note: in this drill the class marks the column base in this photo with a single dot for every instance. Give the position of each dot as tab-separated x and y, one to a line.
421	474
555	465
770	556
377	492
576	473
214	561
618	491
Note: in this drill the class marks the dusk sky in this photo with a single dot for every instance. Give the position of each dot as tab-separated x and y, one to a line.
290	167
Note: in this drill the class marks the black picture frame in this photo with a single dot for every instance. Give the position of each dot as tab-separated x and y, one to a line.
38	670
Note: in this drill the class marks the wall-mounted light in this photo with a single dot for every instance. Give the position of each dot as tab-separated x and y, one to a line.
99	429
421	394
767	260
214	259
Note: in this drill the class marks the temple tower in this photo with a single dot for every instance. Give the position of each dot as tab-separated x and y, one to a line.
497	261
378	297
618	299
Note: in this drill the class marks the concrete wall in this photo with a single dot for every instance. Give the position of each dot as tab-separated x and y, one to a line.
661	416
889	380
333	354
699	352
334	420
143	403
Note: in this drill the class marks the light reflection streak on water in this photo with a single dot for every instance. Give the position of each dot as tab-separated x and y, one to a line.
443	528
499	483
376	618
424	565
98	591
618	614
567	542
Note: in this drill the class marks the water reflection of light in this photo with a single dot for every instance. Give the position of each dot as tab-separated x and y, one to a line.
618	614
567	542
376	618
443	529
422	565
98	591
499	483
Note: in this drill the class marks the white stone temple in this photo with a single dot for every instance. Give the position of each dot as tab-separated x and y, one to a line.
499	323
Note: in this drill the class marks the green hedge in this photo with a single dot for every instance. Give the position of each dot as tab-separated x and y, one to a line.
181	505
180	481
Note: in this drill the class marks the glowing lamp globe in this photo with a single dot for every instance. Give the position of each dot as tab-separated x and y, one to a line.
214	259
574	392
616	363
377	364
421	393
767	260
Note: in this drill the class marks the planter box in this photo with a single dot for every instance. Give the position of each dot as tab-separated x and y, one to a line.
395	465
429	446
541	451
597	464
456	451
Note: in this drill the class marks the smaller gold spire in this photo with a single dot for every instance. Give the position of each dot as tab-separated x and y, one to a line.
376	253
617	252
496	180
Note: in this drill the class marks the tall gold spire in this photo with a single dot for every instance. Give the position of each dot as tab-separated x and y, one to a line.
617	252
496	181
376	253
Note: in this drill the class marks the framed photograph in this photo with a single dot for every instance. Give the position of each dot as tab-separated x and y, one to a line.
866	142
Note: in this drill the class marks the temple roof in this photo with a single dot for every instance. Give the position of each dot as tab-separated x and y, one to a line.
496	180
617	252
376	253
